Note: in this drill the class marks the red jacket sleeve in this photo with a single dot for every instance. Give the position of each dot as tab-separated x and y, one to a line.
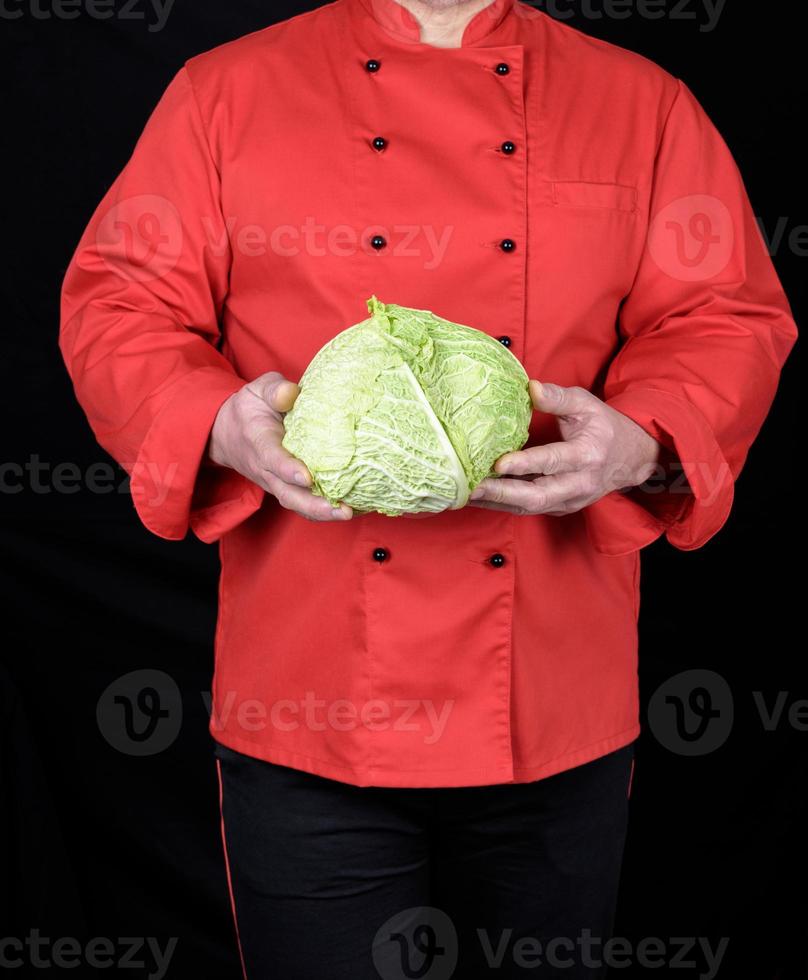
705	331
141	303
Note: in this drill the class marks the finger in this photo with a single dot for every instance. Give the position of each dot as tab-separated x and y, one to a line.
272	458
305	503
504	508
555	457
276	391
283	395
556	400
570	507
534	496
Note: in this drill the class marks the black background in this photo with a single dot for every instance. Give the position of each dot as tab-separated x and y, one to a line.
96	842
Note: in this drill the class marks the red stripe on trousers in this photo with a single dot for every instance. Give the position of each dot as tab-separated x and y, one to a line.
227	870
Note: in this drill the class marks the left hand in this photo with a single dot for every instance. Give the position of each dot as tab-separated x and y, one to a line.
602	450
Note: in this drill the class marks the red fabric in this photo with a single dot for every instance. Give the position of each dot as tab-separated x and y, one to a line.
236	242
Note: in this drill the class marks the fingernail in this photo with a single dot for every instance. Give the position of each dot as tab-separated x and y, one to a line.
301	479
538	387
502	467
476	494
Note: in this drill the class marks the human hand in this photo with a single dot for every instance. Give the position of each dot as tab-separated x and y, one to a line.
602	451
246	436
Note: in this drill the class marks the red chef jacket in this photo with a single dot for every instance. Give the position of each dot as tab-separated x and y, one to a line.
237	240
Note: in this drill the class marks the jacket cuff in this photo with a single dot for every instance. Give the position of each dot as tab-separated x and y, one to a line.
695	503
171	487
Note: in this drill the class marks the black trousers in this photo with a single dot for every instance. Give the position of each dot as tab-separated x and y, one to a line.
335	881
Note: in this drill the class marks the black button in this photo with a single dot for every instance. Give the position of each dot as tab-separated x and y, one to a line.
379	143
378	242
380	554
507	244
373	65
505	341
497	560
502	68
508	147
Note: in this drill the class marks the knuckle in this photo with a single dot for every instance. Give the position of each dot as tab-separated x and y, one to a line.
588	484
578	391
593	454
494	492
591	488
266	452
599	456
264	385
284	498
539	501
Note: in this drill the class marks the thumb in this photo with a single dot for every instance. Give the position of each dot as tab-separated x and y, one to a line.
283	395
278	392
557	400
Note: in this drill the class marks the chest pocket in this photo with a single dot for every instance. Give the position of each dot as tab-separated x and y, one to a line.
591	194
584	244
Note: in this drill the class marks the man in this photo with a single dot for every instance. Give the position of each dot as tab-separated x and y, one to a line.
438	713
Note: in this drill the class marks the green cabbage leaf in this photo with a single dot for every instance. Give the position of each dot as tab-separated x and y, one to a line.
406	412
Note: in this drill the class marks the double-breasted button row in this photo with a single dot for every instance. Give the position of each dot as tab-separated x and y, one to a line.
380	143
374	64
382	554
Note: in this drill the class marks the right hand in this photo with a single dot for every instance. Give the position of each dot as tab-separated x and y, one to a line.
246	436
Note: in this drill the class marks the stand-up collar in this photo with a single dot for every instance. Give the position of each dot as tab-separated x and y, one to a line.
399	22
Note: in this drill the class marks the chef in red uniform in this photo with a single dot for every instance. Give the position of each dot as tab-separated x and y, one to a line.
436	713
